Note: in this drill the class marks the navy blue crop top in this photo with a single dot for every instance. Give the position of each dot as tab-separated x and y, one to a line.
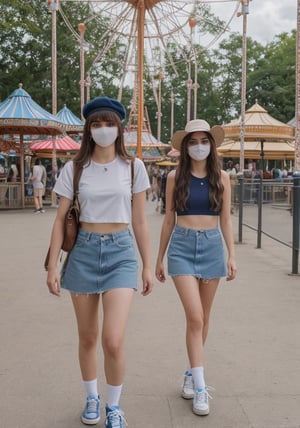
198	200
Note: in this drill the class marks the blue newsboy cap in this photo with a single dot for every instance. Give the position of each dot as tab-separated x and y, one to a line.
104	104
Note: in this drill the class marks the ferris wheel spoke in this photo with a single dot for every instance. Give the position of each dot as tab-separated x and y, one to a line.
168	35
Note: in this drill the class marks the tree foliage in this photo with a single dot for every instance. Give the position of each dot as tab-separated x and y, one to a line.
25	56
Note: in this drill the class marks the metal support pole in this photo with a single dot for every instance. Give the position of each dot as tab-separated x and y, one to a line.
240	177
172	114
296	223
160	76
297	107
53	5
195	87
189	84
259	190
88	87
141	25
81	28
244	13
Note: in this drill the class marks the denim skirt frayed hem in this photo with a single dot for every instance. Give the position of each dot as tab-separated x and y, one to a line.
199	253
101	262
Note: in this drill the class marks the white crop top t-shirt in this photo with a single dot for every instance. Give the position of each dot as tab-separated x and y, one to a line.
104	189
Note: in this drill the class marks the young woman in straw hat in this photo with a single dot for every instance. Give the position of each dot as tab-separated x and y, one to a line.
197	212
103	261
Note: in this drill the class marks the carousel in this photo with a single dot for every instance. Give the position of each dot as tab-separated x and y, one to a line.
266	138
21	116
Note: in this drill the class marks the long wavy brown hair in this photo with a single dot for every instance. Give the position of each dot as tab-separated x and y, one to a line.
87	147
183	175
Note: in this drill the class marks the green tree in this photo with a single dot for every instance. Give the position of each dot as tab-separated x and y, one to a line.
25	53
228	73
272	81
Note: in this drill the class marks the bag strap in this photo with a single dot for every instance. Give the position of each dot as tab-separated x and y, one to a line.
132	177
76	178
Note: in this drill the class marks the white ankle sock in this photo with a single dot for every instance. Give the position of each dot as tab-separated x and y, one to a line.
198	377
91	387
113	394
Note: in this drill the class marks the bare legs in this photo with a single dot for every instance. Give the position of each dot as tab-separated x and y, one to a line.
197	298
86	310
38	202
116	306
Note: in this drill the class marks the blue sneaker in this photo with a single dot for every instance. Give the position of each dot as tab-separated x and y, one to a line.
114	417
91	413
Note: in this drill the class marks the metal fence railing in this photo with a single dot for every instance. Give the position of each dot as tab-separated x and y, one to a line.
10	195
271	208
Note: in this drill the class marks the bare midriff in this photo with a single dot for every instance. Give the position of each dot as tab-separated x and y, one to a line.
198	222
103	227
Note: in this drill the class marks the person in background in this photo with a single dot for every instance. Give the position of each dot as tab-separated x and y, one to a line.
231	171
103	262
13	173
55	175
237	167
38	179
163	184
197	207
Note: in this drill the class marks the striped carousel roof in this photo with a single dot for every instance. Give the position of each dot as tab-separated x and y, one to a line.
71	122
20	114
65	144
259	124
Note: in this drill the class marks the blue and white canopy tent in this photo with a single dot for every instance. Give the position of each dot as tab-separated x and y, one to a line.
72	124
20	114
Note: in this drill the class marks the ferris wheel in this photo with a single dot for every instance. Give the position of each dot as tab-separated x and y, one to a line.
162	23
148	28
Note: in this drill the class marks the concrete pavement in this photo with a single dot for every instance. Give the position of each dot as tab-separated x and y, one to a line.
252	351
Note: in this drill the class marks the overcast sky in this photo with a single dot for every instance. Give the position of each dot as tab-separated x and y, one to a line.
266	19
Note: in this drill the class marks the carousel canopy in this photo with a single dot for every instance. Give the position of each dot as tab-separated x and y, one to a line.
19	114
64	144
150	145
173	153
148	140
71	122
280	150
259	125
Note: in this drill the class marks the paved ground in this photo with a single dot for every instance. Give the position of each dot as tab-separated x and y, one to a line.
252	352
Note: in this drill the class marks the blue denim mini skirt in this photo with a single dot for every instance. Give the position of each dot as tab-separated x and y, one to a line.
100	262
196	252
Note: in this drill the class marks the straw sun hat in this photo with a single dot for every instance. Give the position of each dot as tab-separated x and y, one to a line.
216	132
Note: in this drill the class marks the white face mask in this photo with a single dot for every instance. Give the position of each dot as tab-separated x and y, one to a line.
105	135
199	151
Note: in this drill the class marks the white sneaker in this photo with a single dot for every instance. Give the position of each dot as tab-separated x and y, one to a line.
187	390
200	402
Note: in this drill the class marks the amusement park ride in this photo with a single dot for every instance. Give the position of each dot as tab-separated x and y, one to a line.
148	27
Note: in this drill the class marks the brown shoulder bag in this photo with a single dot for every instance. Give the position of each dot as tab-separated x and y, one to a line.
71	223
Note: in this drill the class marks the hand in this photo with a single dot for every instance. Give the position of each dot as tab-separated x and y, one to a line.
160	272
53	282
232	270
147	282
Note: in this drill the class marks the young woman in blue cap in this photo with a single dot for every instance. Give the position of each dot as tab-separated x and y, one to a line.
197	203
103	261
